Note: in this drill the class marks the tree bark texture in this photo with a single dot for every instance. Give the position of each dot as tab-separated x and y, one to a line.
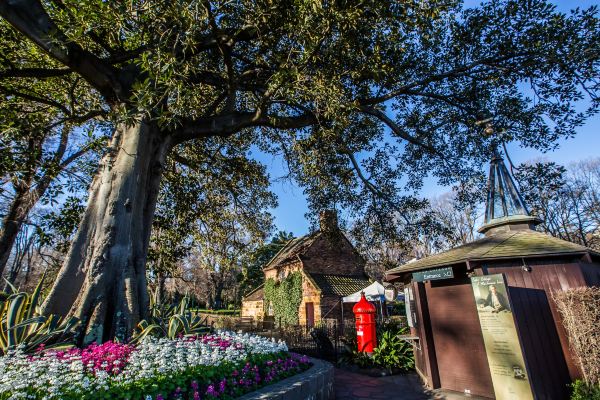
103	279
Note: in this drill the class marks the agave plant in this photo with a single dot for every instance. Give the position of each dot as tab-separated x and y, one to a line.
170	321
22	325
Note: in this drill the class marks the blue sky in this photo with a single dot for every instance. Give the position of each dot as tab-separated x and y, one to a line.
290	214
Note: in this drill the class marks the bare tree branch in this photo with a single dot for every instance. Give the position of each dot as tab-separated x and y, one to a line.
380	115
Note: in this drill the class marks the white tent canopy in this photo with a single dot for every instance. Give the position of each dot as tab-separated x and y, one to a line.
374	292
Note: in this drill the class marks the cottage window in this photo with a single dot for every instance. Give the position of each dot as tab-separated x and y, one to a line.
281	274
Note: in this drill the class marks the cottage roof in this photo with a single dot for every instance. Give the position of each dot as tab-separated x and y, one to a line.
292	250
502	245
339	285
257	294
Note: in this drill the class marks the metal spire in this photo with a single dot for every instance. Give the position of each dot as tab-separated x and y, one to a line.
505	209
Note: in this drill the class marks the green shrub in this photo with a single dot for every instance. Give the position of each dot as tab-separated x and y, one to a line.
583	391
21	325
170	321
391	353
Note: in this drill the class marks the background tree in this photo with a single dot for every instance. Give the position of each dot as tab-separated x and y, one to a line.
252	274
310	80
211	215
566	200
39	162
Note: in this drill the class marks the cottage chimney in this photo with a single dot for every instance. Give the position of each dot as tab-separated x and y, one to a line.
328	221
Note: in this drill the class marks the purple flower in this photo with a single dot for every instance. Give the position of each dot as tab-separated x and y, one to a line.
211	391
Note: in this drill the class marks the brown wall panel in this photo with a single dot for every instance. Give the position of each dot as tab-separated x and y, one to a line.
591	273
543	337
460	352
425	358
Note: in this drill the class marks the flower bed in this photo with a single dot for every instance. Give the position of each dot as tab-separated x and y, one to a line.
224	365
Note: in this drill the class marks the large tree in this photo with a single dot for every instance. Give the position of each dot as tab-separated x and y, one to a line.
312	80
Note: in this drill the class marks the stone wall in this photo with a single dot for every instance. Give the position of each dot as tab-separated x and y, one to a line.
310	295
333	254
253	309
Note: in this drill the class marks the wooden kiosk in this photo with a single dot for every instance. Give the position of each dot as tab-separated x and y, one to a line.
448	320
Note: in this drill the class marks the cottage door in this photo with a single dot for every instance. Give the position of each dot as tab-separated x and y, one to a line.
310	314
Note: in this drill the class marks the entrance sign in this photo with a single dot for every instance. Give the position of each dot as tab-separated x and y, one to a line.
433	275
502	346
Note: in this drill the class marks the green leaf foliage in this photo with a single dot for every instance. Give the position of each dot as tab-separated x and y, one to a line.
584	391
285	297
22	326
252	273
391	353
170	321
362	99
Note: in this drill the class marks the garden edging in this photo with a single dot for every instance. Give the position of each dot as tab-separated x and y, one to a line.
315	383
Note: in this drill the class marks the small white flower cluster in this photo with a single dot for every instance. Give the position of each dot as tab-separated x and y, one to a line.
51	377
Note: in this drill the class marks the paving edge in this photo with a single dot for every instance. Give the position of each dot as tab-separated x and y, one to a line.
316	383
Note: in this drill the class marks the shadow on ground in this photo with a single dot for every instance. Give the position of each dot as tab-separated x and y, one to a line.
352	386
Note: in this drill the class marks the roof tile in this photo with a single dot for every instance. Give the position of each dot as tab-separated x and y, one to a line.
339	285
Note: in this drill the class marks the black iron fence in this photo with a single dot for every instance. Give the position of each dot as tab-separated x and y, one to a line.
321	340
328	339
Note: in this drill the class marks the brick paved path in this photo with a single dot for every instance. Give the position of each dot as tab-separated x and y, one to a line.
353	386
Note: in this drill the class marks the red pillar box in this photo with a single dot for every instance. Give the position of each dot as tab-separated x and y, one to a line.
364	313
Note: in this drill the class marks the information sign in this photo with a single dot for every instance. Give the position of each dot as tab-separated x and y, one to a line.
505	356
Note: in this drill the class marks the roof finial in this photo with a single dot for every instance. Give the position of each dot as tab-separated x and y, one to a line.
505	209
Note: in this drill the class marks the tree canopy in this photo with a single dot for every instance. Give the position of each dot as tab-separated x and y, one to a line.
362	99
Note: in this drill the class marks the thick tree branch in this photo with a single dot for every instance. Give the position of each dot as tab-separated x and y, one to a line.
35	98
78	119
372	188
229	124
32	20
226	37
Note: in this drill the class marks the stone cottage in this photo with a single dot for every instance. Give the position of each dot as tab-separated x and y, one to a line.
331	268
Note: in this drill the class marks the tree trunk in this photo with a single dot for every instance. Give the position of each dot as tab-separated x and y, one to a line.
161	279
16	215
103	278
219	296
20	255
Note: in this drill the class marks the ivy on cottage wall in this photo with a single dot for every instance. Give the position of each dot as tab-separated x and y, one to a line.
285	297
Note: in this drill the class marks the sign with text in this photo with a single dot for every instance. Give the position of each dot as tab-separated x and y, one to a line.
502	346
433	274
